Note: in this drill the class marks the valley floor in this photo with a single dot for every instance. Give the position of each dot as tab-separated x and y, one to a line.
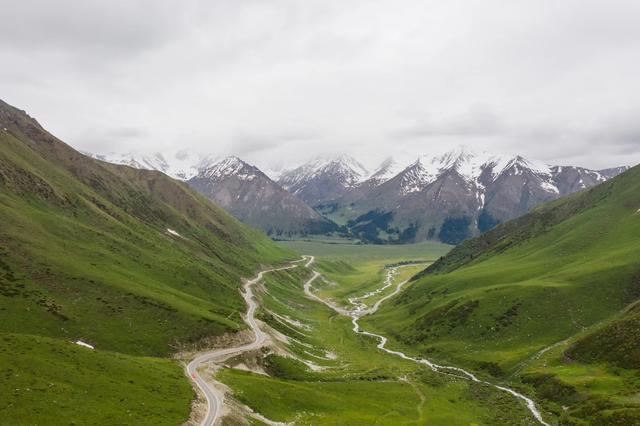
314	369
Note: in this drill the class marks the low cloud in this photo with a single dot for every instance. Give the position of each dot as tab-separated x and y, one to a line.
474	123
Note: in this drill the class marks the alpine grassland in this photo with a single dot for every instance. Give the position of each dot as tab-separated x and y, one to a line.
129	261
51	381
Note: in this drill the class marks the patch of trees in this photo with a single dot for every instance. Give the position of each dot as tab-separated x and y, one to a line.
455	230
486	221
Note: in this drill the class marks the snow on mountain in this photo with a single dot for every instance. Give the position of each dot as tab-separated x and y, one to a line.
471	166
327	180
135	159
520	164
387	170
422	192
614	171
230	166
468	164
250	195
181	165
416	177
324	179
343	167
439	189
185	164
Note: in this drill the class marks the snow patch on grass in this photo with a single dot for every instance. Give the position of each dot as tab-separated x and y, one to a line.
83	344
291	321
172	232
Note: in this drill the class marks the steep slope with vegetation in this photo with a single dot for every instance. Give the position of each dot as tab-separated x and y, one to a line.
128	260
545	299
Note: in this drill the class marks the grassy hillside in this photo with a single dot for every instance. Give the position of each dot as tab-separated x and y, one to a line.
510	302
617	342
49	381
128	260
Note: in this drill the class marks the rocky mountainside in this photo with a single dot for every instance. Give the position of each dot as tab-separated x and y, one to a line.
324	179
449	197
250	195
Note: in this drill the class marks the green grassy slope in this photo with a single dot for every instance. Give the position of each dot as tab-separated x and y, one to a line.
617	342
49	381
85	252
548	278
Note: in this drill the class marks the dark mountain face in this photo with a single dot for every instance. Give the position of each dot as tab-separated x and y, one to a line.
251	196
516	190
570	179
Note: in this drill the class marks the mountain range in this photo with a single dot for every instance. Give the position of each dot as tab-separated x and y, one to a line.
447	197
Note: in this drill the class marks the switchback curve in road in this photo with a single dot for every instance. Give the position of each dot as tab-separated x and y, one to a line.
213	395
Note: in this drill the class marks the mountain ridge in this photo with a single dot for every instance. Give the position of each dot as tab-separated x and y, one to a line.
446	196
251	196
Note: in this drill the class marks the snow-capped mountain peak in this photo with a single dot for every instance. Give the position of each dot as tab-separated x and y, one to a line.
520	164
229	166
417	176
348	167
477	169
138	160
388	169
181	165
428	167
343	168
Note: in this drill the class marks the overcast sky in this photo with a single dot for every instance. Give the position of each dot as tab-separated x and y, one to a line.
280	81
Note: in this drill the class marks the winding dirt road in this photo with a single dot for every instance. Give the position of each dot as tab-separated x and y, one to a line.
214	396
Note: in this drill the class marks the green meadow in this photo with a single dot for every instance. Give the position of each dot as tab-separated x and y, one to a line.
359	268
48	381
